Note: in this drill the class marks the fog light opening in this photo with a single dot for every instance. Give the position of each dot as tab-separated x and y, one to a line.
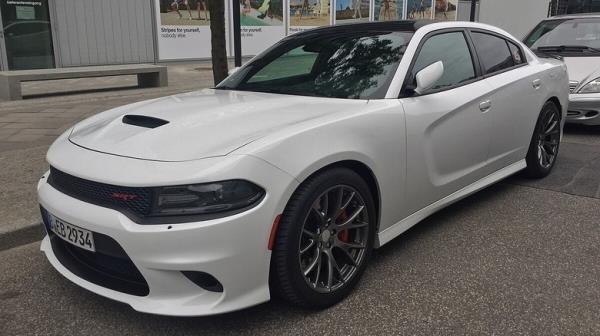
591	114
204	281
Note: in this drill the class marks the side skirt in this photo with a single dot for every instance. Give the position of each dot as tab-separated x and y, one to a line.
395	230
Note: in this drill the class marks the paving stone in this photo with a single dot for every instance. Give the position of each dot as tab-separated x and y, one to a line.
23	137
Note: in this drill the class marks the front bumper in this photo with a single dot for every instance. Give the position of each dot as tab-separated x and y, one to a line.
232	249
584	109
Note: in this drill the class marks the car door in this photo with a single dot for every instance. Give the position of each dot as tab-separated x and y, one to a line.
447	127
516	99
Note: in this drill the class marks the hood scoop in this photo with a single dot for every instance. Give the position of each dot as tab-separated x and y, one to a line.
143	121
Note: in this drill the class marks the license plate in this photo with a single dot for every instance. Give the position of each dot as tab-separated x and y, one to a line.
72	234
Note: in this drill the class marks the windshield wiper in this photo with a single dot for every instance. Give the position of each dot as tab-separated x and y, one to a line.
566	48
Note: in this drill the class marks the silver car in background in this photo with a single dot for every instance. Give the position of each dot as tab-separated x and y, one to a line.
575	39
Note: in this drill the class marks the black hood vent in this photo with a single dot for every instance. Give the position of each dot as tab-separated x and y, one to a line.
143	121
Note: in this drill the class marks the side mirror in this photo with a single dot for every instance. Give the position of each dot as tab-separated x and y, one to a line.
233	70
429	76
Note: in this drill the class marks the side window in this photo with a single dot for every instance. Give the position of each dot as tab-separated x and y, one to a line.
453	51
493	52
517	55
303	62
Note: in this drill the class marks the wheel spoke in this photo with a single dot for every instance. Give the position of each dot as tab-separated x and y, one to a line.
325	204
338	204
551	127
351	219
310	234
319	214
313	264
311	244
318	271
348	255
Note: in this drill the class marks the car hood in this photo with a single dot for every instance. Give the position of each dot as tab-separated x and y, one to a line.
200	124
583	69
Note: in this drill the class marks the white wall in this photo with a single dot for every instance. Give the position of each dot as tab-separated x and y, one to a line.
517	17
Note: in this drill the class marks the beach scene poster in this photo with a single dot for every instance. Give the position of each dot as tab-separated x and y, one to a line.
183	29
419	9
389	10
184	13
445	10
348	11
255	13
306	14
261	24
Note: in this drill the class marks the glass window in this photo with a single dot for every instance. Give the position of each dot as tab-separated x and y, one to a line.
579	37
27	34
356	65
493	52
295	62
517	55
453	51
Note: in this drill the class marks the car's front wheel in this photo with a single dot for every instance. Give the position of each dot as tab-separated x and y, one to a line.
324	239
543	149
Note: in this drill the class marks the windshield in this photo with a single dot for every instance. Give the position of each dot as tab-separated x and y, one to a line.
566	36
356	65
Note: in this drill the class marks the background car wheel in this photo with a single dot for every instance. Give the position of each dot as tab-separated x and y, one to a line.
545	142
324	239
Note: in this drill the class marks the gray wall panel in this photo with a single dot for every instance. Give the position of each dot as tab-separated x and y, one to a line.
97	32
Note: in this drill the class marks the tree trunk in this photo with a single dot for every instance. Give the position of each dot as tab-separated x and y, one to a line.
217	39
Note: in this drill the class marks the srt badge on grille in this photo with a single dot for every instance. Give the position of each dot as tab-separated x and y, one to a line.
123	196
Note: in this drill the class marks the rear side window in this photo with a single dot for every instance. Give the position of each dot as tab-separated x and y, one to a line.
517	55
453	51
493	52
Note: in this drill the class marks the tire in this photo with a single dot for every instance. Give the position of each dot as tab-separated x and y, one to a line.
545	142
304	224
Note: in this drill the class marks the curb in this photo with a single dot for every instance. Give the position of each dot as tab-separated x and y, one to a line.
22	236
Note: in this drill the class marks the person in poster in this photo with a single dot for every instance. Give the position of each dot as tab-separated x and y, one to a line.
171	13
420	9
352	10
261	12
445	10
309	13
389	10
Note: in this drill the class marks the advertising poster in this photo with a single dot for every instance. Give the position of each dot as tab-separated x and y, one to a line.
445	10
261	23
389	10
419	9
183	29
307	14
348	11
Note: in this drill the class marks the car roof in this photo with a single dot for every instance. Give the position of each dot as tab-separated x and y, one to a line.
573	16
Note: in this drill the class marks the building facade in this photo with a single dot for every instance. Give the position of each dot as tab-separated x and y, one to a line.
64	33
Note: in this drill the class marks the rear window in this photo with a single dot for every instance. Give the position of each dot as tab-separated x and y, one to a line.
517	54
493	52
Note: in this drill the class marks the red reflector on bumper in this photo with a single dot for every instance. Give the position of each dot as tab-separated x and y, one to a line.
274	232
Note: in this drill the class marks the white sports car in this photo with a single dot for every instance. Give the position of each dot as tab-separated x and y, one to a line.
283	178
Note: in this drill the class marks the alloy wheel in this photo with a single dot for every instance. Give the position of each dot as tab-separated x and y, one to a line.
548	138
334	239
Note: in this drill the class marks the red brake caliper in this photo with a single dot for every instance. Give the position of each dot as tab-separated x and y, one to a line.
343	235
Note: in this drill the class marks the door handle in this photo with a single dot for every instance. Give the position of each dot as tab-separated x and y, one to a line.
485	106
536	83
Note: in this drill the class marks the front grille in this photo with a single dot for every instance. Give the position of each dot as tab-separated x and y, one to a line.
136	201
109	266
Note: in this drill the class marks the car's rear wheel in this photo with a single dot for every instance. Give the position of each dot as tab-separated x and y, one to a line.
543	149
324	239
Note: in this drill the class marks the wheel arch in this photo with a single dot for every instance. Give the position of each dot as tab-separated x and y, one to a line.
359	167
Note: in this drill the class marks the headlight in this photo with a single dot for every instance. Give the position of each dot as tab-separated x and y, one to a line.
206	199
591	87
